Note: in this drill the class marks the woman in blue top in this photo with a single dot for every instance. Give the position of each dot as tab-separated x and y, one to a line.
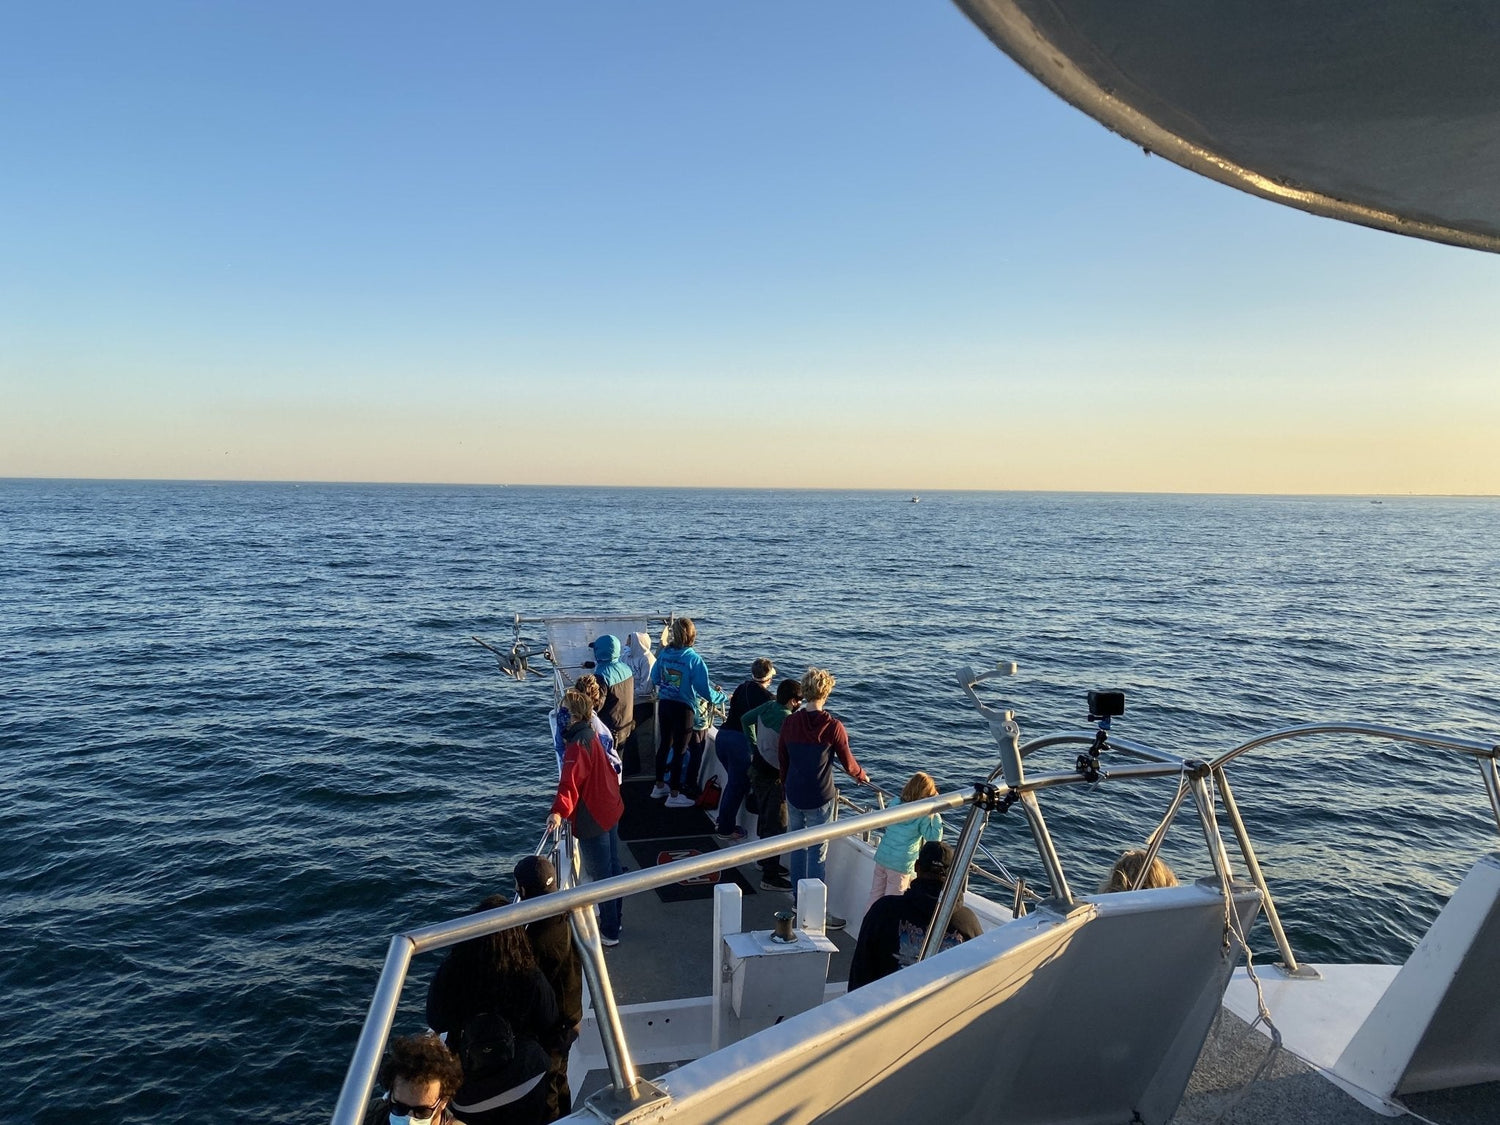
896	857
681	681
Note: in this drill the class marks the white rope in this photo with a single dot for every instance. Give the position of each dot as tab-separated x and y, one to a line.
1233	928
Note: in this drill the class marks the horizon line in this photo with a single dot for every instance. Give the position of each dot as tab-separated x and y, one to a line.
915	492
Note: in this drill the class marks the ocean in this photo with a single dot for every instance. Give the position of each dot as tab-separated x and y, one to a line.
247	737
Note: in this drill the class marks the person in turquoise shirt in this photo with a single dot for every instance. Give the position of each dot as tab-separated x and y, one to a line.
896	857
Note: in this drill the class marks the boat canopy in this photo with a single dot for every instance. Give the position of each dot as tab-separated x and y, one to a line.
1379	112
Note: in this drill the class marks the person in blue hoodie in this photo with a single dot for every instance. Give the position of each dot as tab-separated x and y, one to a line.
681	680
618	681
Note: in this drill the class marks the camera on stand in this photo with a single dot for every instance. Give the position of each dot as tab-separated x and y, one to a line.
1103	706
1106	705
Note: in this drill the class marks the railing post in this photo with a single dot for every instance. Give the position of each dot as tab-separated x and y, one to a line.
958	871
359	1080
1252	865
1491	786
1199	772
585	930
1046	849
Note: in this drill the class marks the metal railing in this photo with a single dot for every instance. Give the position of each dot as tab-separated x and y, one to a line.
360	1078
1194	777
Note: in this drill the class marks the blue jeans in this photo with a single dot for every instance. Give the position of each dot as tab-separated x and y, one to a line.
601	859
808	863
734	752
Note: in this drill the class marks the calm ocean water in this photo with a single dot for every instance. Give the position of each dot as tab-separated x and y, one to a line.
246	738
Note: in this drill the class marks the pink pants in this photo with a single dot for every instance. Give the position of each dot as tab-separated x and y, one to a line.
887	882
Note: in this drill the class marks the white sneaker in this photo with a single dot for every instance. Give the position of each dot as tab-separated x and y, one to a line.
680	801
659	791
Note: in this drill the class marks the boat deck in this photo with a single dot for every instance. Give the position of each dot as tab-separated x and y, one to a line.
664	951
1291	1091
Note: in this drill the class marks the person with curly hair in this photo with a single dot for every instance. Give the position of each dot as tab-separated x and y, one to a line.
420	1075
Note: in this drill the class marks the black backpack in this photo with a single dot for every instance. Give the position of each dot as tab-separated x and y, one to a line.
486	1045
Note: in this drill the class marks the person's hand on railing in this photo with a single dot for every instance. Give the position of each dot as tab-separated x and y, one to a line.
554	823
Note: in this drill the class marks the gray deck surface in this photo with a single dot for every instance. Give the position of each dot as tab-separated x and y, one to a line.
1292	1092
664	951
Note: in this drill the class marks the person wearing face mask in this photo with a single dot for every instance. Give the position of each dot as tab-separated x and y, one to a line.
420	1075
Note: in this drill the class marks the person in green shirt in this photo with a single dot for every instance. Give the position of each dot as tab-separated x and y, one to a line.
762	726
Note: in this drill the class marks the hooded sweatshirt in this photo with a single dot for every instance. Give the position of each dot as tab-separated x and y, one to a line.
681	676
639	657
618	711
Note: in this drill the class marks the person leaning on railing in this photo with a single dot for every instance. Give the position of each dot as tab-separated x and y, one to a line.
810	741
588	797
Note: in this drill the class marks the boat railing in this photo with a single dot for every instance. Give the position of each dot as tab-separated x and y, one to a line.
1199	778
1195	775
577	902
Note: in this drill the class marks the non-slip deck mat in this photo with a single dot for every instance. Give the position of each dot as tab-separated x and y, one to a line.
650	853
649	819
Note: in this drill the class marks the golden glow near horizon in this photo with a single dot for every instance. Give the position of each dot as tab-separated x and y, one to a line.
521	263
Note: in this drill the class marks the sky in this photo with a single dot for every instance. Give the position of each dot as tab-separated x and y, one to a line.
765	245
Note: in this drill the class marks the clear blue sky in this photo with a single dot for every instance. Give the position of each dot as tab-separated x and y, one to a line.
676	243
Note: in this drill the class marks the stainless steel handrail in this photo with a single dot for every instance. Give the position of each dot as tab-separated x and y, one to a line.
359	1080
1162	764
1193	776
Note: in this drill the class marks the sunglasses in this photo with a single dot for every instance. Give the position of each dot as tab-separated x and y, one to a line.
419	1111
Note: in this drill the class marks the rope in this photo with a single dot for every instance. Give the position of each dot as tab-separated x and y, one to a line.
1232	928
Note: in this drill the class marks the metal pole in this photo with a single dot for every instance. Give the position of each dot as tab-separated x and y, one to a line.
1491	786
1211	830
953	885
359	1080
1045	849
585	930
1252	865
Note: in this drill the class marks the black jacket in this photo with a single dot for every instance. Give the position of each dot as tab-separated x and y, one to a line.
557	957
525	999
891	935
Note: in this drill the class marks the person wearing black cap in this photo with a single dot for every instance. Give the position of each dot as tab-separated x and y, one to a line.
552	941
894	928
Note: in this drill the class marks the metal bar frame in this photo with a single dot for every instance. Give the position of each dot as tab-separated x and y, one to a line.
359	1080
578	901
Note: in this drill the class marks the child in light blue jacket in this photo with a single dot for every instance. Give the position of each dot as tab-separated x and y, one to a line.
896	857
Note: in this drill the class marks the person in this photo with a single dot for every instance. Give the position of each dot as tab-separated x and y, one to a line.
420	1075
505	1075
896	857
1127	870
762	725
617	682
681	680
892	933
638	655
734	747
810	740
552	943
495	973
589	685
588	797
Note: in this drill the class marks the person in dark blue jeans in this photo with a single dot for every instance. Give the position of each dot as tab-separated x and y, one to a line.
733	746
